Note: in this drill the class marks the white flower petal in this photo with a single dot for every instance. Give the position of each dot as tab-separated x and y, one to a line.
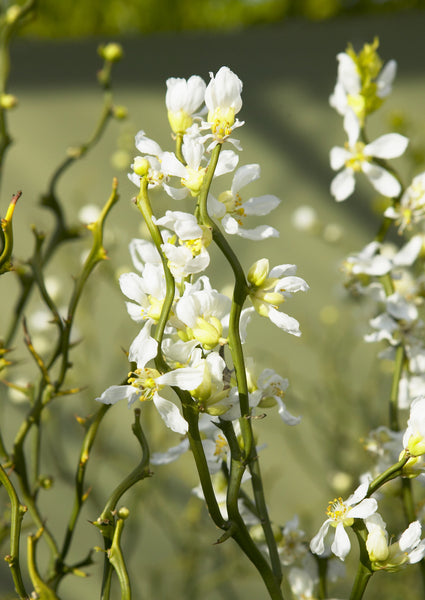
144	347
172	166
410	537
285	415
131	286
284	321
348	74
341	544
390	145
119	392
261	205
170	414
364	509
262	232
343	185
386	78
172	454
382	180
338	156
227	162
352	127
186	378
243	176
317	544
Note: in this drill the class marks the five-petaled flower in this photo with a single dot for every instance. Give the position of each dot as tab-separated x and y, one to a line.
357	156
341	514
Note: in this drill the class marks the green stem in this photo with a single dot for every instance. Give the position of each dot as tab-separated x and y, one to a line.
398	369
362	579
235	345
240	533
17	514
137	474
116	558
62	232
97	254
10	28
80	495
143	204
191	415
106	521
387	475
364	571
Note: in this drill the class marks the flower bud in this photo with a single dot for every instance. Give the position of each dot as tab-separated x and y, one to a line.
120	112
12	14
8	101
123	513
258	272
111	52
376	544
140	166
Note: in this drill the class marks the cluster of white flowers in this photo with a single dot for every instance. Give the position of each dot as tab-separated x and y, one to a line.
194	339
361	87
388	276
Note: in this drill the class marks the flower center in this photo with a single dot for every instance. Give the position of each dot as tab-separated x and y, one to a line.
337	510
194	180
357	156
222	122
220	446
233	204
144	381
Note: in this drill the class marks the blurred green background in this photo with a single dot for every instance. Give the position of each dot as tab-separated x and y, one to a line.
286	59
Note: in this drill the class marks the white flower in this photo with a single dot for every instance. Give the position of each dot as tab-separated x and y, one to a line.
188	254
269	289
223	101
201	313
183	99
231	209
357	156
341	514
143	252
375	260
414	436
399	317
347	94
292	546
149	164
145	383
147	293
271	387
411	209
392	557
192	173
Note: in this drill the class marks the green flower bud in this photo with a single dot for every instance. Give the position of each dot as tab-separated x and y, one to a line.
258	272
111	52
8	101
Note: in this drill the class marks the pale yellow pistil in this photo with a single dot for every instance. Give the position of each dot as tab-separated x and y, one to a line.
357	156
144	380
233	204
220	446
336	511
221	122
194	180
155	309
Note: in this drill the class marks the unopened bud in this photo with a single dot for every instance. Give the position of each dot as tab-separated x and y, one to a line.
111	52
123	513
12	13
140	166
120	112
8	101
258	272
